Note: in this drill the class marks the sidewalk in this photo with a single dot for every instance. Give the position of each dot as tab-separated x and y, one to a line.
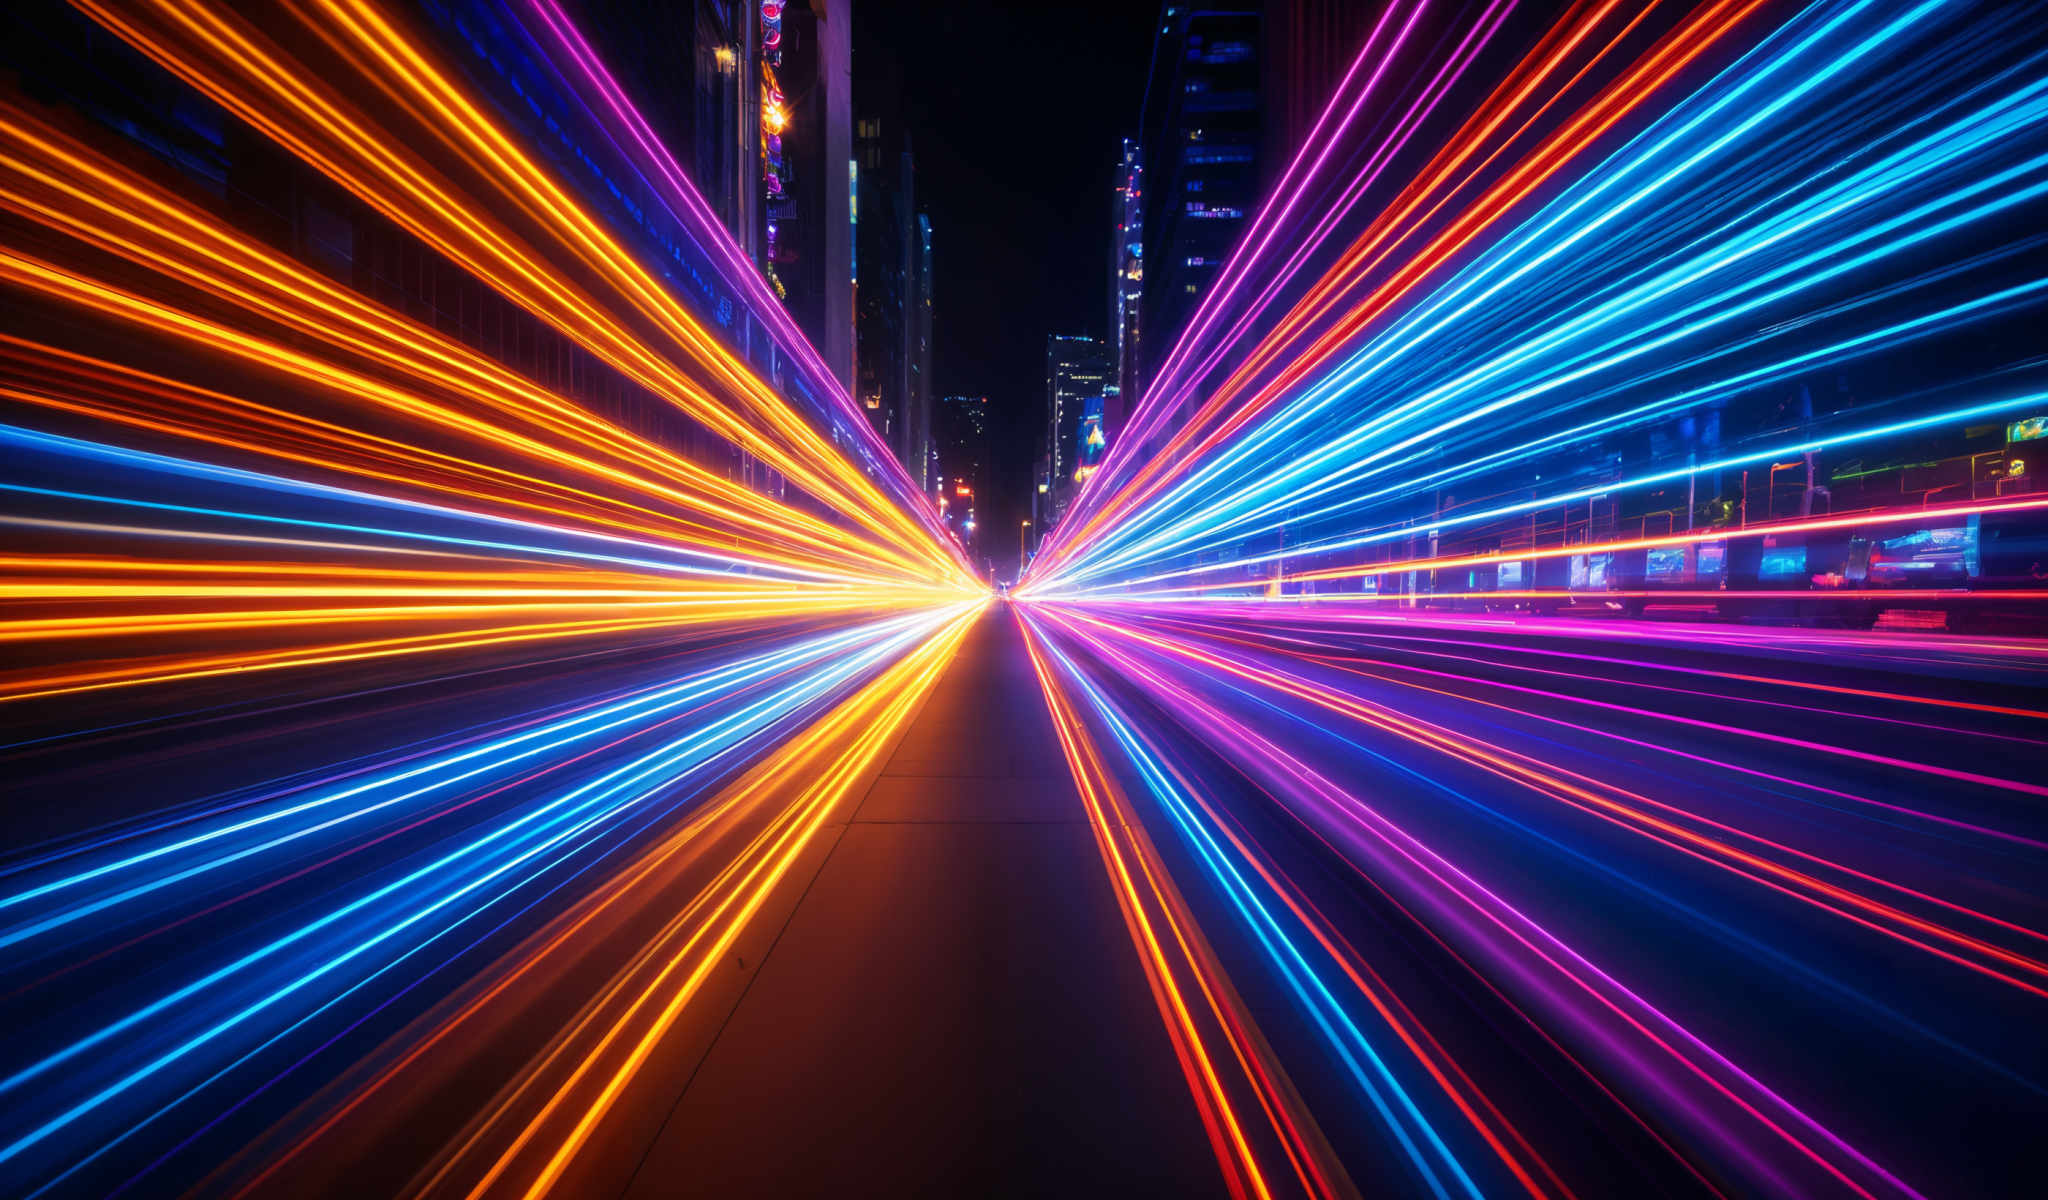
954	1007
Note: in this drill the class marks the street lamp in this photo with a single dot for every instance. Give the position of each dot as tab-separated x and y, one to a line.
1023	545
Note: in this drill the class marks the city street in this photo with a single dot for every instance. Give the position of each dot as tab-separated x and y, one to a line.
1283	598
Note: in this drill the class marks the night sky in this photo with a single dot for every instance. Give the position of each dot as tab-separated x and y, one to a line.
1015	111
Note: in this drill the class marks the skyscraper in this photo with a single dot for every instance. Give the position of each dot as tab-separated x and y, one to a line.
960	438
892	330
806	142
1075	374
1200	138
757	105
1126	284
892	265
920	361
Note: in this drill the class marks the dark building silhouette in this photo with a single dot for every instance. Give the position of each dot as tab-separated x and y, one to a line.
808	229
961	474
1309	45
1201	140
696	72
892	272
764	131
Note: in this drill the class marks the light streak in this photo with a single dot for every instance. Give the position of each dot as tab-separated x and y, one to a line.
1346	1038
809	777
1297	471
1268	761
395	685
1706	25
223	57
1404	556
249	505
1115	837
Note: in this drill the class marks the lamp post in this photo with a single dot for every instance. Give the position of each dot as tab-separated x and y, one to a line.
1023	545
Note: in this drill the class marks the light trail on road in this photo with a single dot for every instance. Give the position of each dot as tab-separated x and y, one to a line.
1542	695
347	649
1518	747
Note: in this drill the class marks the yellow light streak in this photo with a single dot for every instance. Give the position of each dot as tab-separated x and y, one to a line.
225	57
577	1083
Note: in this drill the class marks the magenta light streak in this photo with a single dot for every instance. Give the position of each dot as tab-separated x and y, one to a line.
1675	668
1990	781
709	232
1240	258
1933	818
1290	189
1772	641
1475	900
1683	815
1419	111
1264	674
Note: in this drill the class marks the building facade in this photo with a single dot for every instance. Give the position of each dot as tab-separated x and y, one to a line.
1075	375
892	292
1126	284
919	384
1200	143
1308	45
806	147
701	74
961	475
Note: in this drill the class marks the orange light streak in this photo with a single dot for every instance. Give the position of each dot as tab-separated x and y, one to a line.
1112	820
1631	810
598	1057
224	56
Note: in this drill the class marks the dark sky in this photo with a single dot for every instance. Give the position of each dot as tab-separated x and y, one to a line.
1015	111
